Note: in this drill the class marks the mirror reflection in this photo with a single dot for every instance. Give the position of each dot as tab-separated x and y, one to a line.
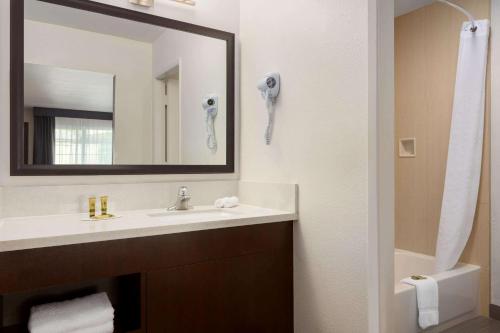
100	90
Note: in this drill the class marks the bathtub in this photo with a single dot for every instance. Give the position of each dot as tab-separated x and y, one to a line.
458	292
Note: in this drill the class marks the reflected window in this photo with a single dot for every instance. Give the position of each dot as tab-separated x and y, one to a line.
83	141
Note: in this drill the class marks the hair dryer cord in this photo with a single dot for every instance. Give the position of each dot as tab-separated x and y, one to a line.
211	140
270	110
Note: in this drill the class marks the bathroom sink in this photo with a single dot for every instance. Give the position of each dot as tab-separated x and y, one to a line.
202	214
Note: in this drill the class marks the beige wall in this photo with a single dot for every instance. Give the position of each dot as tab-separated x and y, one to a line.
427	43
320	142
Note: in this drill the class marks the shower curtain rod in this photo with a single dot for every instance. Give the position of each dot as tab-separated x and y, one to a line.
469	15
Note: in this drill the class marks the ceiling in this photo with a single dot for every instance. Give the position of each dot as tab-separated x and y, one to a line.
74	18
99	23
406	6
62	88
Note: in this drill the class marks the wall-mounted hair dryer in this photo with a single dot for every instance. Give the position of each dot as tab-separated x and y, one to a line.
211	107
269	87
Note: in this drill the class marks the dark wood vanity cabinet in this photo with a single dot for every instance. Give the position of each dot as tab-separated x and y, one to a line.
233	280
245	294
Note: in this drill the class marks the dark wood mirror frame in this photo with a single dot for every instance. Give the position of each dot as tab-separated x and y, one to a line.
17	165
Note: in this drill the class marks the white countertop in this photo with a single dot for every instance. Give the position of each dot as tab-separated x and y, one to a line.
23	233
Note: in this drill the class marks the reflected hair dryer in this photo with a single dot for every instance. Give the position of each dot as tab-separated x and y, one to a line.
211	107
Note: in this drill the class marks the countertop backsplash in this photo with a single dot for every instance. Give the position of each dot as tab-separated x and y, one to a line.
69	199
20	201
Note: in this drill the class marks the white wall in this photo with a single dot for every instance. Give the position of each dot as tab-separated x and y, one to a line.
320	142
202	63
59	46
205	13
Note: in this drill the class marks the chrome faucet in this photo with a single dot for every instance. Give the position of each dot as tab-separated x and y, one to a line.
183	198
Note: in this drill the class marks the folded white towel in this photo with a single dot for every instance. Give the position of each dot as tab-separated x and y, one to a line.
227	202
103	328
68	316
427	300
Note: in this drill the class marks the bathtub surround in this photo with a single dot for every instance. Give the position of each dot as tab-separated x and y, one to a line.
463	170
427	43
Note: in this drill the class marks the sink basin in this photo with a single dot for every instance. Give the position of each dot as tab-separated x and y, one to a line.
202	214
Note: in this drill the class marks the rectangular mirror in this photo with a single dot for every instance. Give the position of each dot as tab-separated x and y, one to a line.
99	89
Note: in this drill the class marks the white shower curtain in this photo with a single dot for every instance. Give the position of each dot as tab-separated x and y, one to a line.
463	169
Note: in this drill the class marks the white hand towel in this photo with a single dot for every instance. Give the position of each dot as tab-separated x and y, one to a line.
219	203
231	202
427	300
463	170
103	328
64	317
227	202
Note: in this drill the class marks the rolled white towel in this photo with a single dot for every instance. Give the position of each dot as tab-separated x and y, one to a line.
231	202
103	328
227	202
219	203
68	316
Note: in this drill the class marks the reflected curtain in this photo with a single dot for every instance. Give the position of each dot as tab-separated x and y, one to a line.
83	141
44	140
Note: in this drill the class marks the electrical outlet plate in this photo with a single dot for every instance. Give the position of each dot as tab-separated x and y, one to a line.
145	3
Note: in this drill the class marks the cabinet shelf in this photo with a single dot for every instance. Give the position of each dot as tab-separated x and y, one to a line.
124	292
23	329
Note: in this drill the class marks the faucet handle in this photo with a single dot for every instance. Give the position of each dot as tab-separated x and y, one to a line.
183	191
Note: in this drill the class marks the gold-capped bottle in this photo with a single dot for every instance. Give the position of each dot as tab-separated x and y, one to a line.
92	201
104	205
